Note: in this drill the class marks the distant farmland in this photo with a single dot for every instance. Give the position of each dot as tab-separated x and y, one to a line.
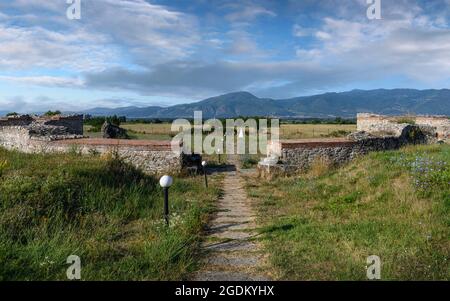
161	131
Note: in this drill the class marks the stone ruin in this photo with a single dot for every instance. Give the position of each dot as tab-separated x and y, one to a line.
111	131
375	133
394	125
45	128
32	134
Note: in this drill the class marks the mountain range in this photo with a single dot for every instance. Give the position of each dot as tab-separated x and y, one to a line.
328	105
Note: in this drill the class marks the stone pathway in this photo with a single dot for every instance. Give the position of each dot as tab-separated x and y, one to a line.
231	250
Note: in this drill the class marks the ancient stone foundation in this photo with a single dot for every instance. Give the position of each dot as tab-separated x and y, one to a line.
373	123
292	156
152	157
65	134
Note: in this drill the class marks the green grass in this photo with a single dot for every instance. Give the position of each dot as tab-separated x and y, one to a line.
323	227
106	212
162	131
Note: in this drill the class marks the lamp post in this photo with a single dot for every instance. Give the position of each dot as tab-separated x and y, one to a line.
166	182
218	154
204	171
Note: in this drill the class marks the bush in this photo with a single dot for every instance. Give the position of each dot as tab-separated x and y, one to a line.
407	120
52	113
248	162
97	122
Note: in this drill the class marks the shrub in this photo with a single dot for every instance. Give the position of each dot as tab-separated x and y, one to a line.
248	162
407	120
52	113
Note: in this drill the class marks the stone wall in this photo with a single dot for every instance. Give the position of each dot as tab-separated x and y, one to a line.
21	120
299	155
152	157
441	123
14	137
62	134
73	124
373	123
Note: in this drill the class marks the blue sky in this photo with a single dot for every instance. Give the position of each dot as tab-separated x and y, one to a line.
137	52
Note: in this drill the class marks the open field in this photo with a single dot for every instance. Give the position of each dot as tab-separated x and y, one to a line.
305	131
161	131
324	224
104	211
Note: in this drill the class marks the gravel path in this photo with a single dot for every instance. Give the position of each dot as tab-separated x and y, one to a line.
232	252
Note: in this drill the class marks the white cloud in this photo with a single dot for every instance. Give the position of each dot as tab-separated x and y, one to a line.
145	33
36	47
49	81
248	12
244	45
133	45
299	31
347	51
313	54
152	33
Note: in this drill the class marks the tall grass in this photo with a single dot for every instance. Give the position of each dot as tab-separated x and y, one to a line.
103	210
392	204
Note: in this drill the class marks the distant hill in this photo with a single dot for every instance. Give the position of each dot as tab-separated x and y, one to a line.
344	104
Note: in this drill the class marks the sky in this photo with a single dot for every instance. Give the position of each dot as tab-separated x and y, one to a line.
157	52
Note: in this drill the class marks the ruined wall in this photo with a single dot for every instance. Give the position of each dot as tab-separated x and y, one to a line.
14	137
299	155
73	124
21	120
441	123
373	123
151	157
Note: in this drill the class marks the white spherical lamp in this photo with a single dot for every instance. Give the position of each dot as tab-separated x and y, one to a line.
204	163
166	181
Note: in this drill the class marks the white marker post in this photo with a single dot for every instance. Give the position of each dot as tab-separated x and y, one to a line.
166	182
218	154
204	171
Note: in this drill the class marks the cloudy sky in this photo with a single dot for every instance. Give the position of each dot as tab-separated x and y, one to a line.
156	52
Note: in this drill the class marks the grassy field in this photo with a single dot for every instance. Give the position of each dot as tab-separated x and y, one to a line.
305	131
324	224
106	212
287	131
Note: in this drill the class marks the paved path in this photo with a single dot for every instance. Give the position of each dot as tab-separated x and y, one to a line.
230	248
